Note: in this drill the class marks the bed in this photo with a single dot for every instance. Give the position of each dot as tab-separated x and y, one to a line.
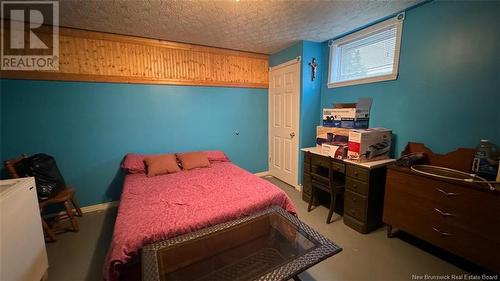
157	208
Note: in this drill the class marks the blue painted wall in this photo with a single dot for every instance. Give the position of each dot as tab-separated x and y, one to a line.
310	92
286	54
447	94
310	102
89	127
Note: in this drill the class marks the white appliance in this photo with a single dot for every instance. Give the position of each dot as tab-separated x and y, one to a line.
22	246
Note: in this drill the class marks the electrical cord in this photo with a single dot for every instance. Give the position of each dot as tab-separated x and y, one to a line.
471	180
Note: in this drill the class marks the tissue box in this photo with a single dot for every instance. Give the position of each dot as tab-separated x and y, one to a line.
369	144
338	151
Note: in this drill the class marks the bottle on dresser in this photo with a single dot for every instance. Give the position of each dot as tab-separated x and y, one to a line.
485	163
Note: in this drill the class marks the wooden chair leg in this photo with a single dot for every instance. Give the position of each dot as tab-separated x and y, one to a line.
311	200
76	205
333	199
71	216
48	231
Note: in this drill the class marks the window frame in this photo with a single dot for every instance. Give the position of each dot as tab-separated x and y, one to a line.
396	22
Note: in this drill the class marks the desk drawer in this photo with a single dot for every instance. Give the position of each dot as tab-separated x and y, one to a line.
307	157
318	160
356	224
338	167
358	173
307	168
356	186
355	205
322	177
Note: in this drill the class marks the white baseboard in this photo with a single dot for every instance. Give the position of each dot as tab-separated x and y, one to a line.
91	208
100	207
297	187
263	174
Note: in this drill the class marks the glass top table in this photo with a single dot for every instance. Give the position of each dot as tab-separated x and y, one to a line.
269	245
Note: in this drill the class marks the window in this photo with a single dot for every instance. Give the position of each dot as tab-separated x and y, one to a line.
366	56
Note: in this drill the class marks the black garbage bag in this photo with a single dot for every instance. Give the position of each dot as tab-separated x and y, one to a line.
43	167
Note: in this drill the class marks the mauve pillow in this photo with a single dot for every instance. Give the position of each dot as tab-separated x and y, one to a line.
134	163
161	164
216	156
192	160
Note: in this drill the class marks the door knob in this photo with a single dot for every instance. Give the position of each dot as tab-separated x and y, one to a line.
292	134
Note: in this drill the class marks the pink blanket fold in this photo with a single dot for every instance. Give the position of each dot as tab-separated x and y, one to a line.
161	207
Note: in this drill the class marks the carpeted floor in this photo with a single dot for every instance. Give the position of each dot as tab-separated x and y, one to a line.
79	256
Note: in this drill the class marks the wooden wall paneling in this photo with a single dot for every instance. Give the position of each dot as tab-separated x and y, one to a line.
104	57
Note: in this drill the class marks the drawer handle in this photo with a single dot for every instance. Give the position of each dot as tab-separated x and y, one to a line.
31	187
442	233
448	194
444	214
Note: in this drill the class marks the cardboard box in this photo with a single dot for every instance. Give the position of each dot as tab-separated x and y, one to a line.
369	144
358	123
330	135
328	118
322	131
338	151
361	109
348	115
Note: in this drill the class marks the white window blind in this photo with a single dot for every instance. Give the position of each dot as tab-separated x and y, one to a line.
366	56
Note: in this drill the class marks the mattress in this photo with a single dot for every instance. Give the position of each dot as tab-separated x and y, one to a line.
157	208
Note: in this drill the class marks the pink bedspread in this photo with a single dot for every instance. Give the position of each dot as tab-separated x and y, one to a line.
161	207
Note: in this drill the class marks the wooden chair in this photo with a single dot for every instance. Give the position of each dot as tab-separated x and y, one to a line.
65	196
329	183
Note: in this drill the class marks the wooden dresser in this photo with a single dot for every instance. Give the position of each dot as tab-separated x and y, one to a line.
462	218
364	187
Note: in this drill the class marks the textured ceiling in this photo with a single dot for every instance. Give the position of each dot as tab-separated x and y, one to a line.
255	26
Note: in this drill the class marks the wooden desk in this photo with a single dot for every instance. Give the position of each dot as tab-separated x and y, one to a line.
364	186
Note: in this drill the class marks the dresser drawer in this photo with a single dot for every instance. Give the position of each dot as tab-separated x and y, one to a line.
442	231
358	173
356	186
474	210
355	205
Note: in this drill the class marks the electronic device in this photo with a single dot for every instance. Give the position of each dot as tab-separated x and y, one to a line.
410	159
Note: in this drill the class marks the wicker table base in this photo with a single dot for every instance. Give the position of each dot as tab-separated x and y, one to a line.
269	245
